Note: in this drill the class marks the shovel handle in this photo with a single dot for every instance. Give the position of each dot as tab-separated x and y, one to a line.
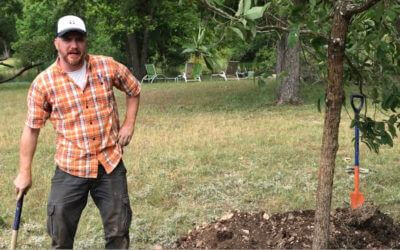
356	108
17	220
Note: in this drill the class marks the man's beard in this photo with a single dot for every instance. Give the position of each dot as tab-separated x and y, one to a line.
74	58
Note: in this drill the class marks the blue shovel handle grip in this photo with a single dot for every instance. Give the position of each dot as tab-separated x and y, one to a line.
18	212
358	108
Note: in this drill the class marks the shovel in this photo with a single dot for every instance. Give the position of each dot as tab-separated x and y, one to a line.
357	198
17	220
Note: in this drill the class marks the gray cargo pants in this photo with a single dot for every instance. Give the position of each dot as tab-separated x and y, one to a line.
68	198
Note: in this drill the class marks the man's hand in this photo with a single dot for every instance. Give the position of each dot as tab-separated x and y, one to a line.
23	183
125	134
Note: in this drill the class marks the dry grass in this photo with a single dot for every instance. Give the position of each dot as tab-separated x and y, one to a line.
199	150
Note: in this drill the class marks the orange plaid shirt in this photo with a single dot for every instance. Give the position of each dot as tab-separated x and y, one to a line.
86	121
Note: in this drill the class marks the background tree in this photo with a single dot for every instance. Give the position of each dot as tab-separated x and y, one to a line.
133	32
246	20
37	27
10	11
145	31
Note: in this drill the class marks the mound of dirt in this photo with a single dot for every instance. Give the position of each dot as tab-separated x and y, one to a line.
363	228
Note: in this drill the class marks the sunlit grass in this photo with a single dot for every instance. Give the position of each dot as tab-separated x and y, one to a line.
199	150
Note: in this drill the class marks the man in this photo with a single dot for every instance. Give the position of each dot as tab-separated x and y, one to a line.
76	94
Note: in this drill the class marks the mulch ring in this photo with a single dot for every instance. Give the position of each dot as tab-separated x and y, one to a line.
363	228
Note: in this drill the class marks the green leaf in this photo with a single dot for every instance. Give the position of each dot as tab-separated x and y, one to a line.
256	12
312	4
240	8
200	36
253	30
318	42
386	139
243	21
379	11
188	50
380	126
375	95
238	32
392	119
392	130
247	5
319	105
293	38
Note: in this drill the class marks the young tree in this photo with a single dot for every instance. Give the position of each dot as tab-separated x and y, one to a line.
344	13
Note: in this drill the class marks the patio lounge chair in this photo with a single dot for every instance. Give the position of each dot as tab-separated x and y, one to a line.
152	74
231	71
192	72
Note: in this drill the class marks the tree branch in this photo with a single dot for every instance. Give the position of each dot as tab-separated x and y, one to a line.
20	72
7	65
4	58
355	69
218	11
354	9
277	19
268	28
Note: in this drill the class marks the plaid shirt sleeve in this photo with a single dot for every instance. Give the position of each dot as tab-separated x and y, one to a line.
38	108
125	81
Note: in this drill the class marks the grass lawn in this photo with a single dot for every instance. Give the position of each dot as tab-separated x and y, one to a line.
199	150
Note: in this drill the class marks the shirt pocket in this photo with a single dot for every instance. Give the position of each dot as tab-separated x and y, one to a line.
104	96
67	109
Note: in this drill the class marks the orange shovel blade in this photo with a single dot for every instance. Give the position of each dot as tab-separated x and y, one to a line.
357	199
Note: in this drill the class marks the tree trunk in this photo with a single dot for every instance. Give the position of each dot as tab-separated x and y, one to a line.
146	37
280	53
333	102
144	52
288	63
138	43
6	50
133	53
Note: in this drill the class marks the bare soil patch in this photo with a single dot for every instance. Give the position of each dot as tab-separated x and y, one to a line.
363	228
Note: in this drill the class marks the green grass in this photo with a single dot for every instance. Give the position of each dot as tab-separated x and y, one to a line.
199	150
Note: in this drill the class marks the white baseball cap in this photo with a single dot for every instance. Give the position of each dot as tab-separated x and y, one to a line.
70	23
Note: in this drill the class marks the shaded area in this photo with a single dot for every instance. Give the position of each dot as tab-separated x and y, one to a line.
364	228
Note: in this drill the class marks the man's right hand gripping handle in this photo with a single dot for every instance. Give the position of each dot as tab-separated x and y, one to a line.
22	183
